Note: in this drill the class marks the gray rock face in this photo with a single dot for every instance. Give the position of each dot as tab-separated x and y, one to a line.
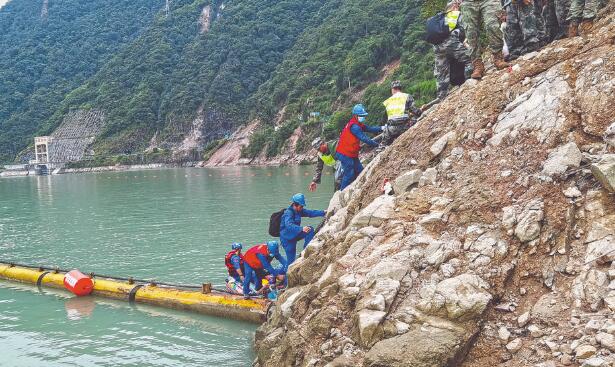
429	177
548	309
368	322
463	297
409	280
535	110
604	171
405	181
441	143
606	340
421	346
530	221
590	287
561	159
609	135
374	214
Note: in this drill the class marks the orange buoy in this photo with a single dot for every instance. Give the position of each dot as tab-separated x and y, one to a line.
78	283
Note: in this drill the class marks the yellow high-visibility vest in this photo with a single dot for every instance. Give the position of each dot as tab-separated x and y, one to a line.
451	18
327	159
396	105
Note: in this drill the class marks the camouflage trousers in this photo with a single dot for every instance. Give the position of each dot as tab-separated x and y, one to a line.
393	131
473	11
523	28
555	15
583	9
451	49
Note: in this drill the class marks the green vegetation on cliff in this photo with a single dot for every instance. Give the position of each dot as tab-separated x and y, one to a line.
224	62
45	52
343	61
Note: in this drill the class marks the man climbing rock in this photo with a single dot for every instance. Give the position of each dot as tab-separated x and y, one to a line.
349	146
234	262
257	263
523	28
451	49
326	157
291	230
398	108
581	16
473	11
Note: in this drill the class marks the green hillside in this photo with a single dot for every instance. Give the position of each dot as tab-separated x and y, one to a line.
341	57
46	53
159	82
255	59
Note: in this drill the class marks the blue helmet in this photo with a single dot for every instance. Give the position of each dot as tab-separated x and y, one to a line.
359	110
273	247
236	246
298	199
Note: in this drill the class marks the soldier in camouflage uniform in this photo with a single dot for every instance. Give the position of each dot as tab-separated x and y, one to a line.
401	114
523	28
450	49
581	16
473	11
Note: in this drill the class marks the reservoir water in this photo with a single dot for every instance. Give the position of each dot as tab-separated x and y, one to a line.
170	225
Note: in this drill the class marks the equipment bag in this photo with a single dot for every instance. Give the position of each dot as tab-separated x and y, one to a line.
436	29
274	223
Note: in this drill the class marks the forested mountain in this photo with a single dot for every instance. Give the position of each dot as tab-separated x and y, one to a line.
158	73
48	48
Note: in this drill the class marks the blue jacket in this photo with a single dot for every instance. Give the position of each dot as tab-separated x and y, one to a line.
291	227
267	265
356	131
236	261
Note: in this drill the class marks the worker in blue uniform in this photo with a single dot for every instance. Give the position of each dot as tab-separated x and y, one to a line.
349	144
291	230
234	262
257	263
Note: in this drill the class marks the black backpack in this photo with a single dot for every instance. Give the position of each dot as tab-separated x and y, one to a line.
274	223
436	29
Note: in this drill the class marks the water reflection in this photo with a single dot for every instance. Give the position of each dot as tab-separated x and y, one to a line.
79	307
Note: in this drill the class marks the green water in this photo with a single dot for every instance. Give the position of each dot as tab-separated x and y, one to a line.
169	225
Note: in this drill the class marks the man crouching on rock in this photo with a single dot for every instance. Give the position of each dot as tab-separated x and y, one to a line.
258	263
291	230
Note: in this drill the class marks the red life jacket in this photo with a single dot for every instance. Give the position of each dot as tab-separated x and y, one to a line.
229	265
349	145
250	256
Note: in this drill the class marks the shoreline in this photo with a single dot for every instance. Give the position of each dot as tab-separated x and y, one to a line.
279	162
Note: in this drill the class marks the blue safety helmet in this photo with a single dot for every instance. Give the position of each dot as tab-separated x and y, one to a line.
359	110
298	199
273	247
236	246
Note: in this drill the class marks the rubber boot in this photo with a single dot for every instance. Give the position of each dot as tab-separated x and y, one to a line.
573	29
479	69
498	61
586	26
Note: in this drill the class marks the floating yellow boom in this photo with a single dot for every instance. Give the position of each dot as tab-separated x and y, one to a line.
214	303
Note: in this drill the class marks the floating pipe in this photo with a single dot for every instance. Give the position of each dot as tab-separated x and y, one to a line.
214	304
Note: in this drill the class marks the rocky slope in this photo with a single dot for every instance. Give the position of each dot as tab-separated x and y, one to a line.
497	246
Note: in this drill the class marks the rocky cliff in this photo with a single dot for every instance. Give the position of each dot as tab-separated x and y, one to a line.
496	247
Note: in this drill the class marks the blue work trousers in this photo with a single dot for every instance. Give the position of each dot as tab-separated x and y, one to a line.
255	276
290	246
352	167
